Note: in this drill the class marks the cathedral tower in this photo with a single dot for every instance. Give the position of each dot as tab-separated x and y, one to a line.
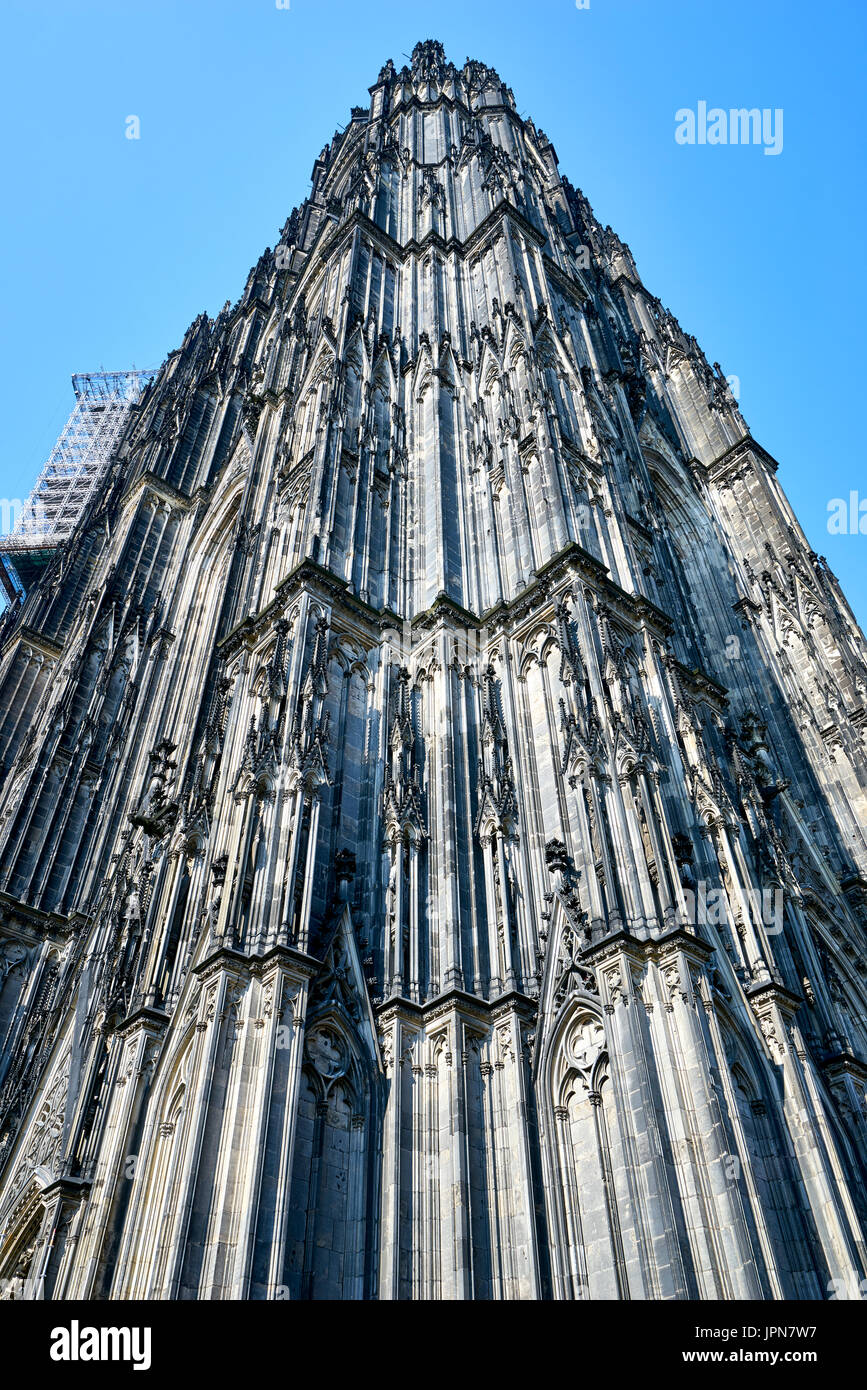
433	800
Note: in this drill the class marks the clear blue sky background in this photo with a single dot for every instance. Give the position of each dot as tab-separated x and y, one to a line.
110	247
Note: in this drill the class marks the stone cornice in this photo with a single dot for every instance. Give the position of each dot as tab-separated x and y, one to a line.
155	1020
238	962
487	225
149	482
471	244
50	924
744	607
73	1189
745	450
771	992
405	103
635	609
315	578
31	638
469	1006
310	577
700	684
357	219
638	526
844	1064
611	946
442	609
679	939
619	280
571	283
649	948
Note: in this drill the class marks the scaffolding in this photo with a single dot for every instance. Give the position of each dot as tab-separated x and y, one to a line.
73	472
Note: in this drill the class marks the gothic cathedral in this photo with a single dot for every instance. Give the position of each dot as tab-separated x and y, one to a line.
433	799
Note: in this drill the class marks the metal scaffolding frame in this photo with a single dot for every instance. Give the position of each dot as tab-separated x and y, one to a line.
78	462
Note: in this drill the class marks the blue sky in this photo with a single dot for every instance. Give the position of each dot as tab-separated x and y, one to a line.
110	247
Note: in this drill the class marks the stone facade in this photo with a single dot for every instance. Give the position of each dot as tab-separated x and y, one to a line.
432	821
